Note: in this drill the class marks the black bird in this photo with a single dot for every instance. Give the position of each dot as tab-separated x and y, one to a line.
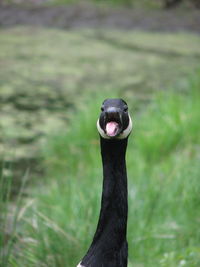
109	247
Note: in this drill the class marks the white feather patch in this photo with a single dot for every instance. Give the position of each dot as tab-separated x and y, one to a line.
79	265
127	131
123	135
101	132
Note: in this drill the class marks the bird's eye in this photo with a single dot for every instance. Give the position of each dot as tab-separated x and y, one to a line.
102	108
125	108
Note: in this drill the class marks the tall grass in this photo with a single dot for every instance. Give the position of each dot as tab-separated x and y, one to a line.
10	214
164	189
5	188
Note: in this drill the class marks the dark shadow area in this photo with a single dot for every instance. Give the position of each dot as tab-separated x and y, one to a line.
88	15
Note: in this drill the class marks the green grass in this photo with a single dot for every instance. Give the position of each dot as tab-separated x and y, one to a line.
52	78
11	212
132	3
46	73
163	171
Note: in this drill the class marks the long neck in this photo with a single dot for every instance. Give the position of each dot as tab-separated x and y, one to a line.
110	236
114	206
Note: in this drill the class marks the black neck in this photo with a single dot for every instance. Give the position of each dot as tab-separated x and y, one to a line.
112	225
114	196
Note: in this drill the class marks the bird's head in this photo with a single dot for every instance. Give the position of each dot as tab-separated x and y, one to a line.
114	121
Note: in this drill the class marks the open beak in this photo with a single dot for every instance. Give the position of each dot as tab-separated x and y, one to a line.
113	124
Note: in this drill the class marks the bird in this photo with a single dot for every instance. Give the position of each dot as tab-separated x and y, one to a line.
109	247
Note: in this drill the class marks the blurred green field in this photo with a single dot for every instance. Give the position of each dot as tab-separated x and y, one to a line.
64	76
46	74
133	3
147	4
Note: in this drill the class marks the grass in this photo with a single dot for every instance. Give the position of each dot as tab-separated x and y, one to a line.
10	213
46	73
163	171
132	3
54	224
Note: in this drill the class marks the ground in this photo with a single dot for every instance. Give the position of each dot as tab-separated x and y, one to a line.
87	15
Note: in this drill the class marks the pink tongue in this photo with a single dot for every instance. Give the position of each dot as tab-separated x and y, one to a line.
111	128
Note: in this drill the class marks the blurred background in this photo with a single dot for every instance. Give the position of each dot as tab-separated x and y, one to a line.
59	59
